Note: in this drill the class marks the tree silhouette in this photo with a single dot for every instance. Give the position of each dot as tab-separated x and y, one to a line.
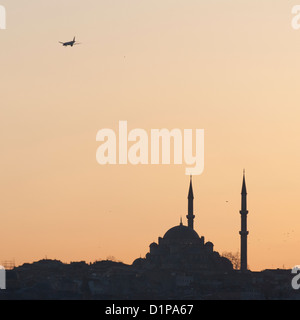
234	258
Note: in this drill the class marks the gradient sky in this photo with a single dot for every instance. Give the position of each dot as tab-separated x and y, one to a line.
229	67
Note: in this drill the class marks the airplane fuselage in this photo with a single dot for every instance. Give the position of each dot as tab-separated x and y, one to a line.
71	43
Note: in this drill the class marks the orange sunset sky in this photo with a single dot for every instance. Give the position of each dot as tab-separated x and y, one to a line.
229	67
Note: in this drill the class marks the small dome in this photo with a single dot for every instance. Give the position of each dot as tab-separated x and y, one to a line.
153	244
209	245
181	232
138	262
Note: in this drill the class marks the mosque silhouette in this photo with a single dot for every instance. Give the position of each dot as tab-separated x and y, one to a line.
181	248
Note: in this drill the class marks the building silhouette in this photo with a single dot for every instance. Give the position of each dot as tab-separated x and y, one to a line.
181	248
181	266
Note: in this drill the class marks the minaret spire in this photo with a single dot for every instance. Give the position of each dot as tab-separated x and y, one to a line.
244	232
190	216
244	190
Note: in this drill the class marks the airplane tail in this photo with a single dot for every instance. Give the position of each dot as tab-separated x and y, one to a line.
74	39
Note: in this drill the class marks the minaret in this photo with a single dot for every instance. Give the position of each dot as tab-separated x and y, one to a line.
190	216
244	233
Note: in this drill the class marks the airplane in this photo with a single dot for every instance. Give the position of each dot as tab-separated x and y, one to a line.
70	43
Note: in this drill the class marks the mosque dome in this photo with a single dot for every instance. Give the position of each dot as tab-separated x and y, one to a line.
181	232
138	262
